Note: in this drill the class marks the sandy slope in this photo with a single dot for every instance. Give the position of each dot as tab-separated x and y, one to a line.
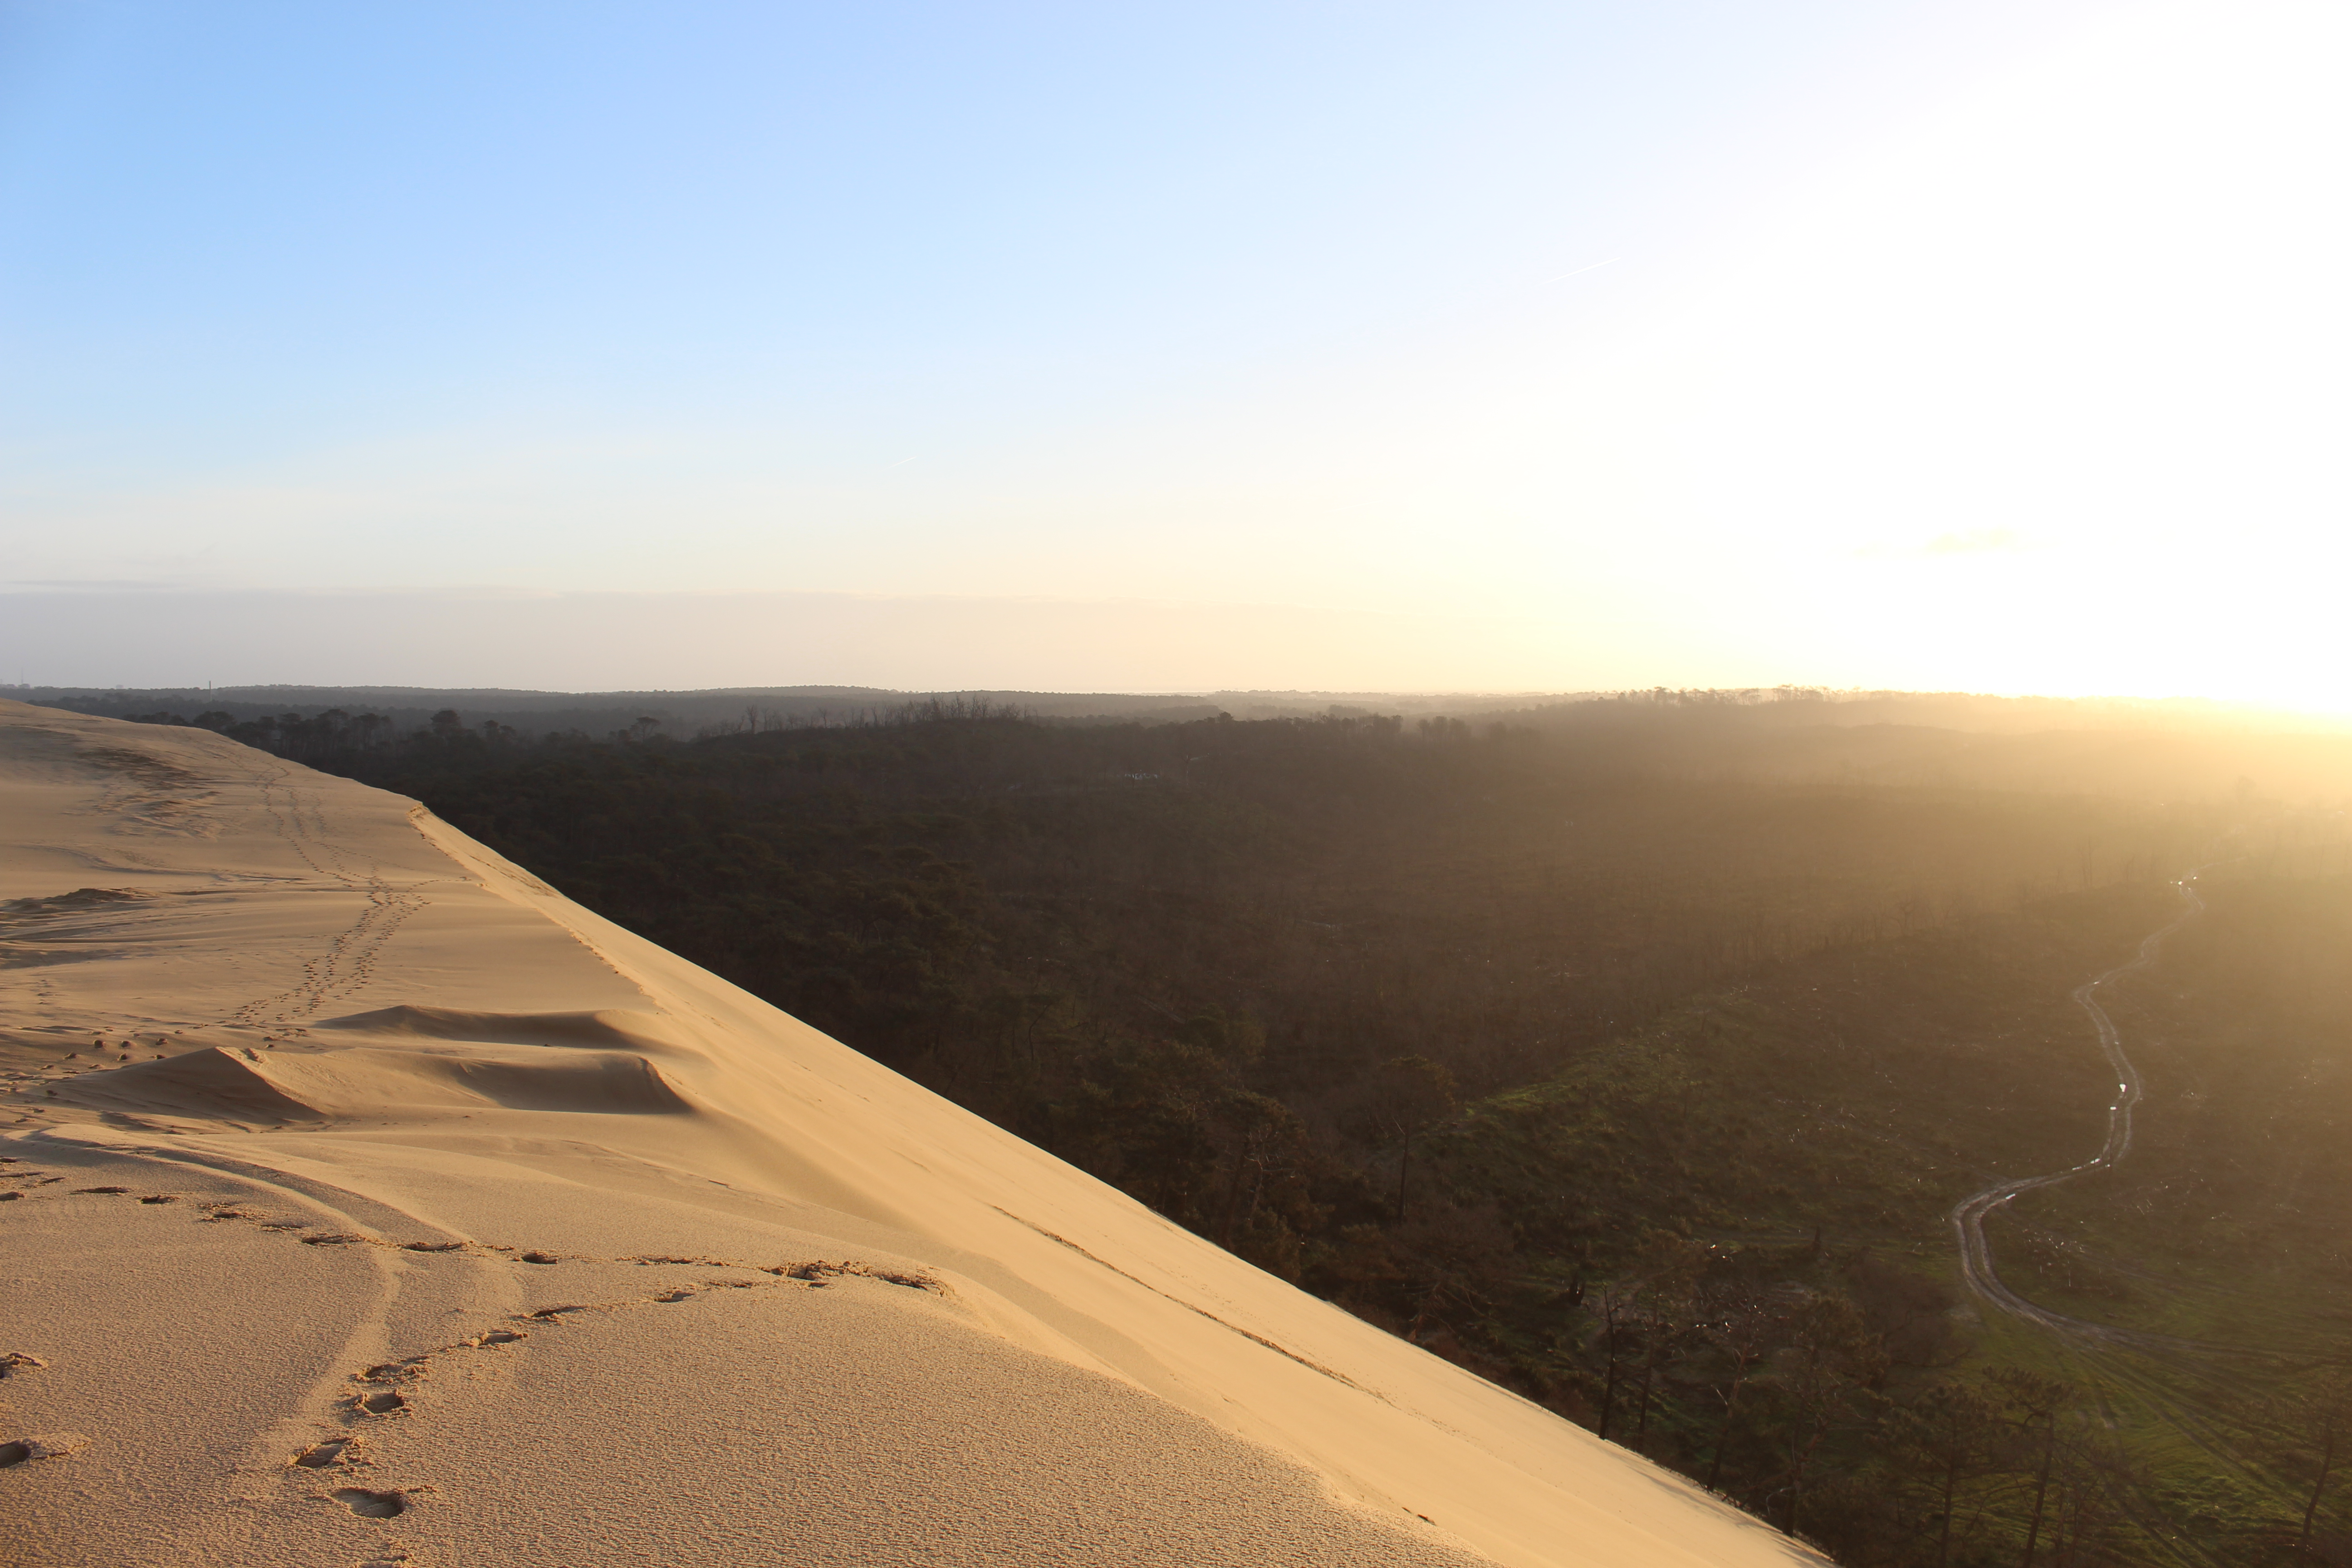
546	1247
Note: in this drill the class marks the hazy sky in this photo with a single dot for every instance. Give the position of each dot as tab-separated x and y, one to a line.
1973	345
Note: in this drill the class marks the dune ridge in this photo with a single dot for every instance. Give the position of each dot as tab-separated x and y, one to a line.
367	1201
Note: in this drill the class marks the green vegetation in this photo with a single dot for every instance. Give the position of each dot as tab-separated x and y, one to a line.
1640	1085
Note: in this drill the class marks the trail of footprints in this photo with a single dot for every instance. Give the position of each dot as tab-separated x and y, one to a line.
349	962
38	1445
219	1211
384	1391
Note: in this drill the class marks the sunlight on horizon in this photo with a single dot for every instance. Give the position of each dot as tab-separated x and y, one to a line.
2036	385
2048	394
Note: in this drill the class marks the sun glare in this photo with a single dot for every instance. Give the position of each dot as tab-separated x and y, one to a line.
2048	394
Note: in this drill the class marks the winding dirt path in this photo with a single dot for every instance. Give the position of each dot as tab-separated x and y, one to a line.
1968	1216
2104	1351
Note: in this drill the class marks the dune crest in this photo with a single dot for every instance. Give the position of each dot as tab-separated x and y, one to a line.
480	1230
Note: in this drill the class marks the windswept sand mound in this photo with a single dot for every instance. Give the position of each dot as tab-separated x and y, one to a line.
612	1028
371	1203
79	899
357	1083
228	1086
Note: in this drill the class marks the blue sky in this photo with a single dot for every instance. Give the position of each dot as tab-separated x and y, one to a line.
1556	318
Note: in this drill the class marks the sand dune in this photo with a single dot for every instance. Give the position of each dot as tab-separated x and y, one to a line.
368	1201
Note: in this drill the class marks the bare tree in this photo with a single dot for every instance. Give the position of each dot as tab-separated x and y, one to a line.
1412	1094
2031	1402
1740	1325
2311	1427
1613	1305
1824	1370
1954	1433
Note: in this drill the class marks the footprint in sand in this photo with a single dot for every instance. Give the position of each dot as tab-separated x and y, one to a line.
388	1403
335	1453
46	1445
16	1363
373	1504
555	1314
